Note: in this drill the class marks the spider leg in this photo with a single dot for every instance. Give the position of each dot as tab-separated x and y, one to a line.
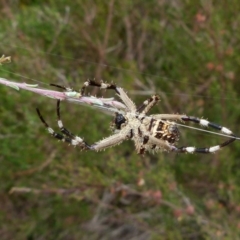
140	143
67	137
148	104
51	131
172	117
161	143
88	83
61	87
215	126
206	123
75	139
60	123
120	92
204	150
101	85
109	141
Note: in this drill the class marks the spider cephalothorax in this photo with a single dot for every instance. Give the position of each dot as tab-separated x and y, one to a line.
119	121
149	132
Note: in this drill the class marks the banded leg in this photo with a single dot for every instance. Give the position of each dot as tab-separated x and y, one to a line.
120	92
88	83
62	87
75	139
215	126
60	123
51	131
148	104
74	93
206	123
101	85
66	136
204	150
70	92
201	122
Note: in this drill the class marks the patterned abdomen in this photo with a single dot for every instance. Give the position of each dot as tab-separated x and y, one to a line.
165	130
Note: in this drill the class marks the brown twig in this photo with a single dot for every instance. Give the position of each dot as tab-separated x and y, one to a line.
140	50
129	50
37	169
103	46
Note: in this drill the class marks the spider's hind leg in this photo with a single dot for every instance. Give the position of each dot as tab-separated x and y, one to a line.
88	83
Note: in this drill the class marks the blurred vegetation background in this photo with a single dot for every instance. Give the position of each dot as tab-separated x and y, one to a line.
187	52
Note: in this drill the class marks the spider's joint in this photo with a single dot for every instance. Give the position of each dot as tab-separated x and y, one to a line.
203	122
104	85
50	130
190	149
73	94
226	130
214	149
60	124
87	83
76	141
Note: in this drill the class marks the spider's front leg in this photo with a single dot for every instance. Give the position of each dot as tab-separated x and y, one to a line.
70	92
66	135
74	140
120	92
88	83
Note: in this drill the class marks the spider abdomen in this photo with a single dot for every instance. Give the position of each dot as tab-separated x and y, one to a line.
165	130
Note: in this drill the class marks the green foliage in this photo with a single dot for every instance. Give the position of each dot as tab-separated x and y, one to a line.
187	52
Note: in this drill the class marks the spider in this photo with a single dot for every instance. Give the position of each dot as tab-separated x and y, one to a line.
149	132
